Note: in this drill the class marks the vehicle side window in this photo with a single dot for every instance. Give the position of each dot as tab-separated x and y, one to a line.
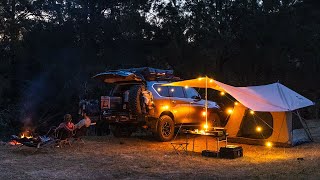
162	90
190	92
176	91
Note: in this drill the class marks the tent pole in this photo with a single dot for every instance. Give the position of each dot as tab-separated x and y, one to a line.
305	126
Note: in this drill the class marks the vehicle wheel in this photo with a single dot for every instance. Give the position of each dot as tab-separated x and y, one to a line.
165	128
120	131
135	98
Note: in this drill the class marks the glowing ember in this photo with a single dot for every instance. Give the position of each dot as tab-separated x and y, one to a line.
14	142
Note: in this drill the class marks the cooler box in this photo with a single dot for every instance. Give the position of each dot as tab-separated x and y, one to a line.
208	153
231	152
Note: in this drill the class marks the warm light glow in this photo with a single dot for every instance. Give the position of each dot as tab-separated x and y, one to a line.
236	103
25	136
222	93
202	131
175	111
165	107
205	126
159	89
172	90
211	80
251	112
204	113
258	129
200	79
269	144
229	111
186	87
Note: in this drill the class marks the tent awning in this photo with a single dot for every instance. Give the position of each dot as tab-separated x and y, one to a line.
266	98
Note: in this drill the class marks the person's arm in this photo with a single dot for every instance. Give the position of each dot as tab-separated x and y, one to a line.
61	125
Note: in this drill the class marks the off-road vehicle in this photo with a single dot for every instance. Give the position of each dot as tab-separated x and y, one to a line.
139	99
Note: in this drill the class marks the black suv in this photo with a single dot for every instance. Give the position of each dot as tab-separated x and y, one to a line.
138	99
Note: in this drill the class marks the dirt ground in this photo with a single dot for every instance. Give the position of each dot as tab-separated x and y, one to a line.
141	157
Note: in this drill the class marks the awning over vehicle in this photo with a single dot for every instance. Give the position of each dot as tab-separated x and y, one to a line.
267	98
117	76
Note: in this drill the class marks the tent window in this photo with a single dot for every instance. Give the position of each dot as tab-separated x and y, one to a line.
248	128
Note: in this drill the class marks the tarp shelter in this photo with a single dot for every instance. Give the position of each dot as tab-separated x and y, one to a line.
275	108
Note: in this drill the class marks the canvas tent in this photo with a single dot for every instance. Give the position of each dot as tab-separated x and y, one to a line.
275	108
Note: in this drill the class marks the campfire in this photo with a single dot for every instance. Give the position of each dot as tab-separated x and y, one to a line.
26	135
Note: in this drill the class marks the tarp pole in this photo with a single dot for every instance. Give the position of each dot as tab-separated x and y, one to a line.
206	106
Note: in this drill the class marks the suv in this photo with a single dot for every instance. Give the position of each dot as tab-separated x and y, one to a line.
139	99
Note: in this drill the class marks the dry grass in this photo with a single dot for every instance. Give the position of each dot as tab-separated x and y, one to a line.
144	158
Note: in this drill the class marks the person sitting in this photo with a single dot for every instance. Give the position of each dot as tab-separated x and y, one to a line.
86	121
82	125
65	129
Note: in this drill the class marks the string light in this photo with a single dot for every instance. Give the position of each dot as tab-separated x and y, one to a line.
258	129
229	111
204	113
186	87
236	103
269	144
205	126
222	93
251	112
159	89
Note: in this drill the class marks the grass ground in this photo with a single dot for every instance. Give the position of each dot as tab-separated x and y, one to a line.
143	158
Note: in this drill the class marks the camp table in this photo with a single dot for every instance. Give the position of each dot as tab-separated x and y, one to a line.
218	133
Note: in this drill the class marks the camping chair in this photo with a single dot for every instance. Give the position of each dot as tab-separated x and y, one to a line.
179	147
63	136
79	133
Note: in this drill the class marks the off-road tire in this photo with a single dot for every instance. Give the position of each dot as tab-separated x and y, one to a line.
165	128
135	99
120	131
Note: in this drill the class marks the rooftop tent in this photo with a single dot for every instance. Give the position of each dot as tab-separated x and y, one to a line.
274	102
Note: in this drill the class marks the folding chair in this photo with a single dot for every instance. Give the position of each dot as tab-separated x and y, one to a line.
179	147
79	133
63	136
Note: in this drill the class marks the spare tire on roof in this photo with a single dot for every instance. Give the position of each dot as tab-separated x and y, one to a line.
135	99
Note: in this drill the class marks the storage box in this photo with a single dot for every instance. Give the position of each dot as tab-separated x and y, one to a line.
108	102
208	153
231	152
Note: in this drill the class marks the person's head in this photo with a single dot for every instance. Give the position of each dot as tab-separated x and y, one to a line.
67	118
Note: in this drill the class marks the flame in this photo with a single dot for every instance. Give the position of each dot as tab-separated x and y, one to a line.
25	136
